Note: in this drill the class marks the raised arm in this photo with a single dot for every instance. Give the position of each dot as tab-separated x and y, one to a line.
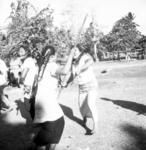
84	64
67	68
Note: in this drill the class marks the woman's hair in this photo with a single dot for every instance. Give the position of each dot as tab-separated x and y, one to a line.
46	48
80	47
83	50
90	52
24	47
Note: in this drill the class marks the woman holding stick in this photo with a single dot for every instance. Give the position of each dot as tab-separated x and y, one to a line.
49	120
83	70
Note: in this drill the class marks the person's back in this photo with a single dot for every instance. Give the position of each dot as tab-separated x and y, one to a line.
46	97
48	113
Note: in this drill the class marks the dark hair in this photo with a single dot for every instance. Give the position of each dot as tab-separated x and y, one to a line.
80	47
90	52
84	49
45	49
23	46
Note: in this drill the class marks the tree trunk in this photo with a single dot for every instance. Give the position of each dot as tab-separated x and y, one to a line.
95	51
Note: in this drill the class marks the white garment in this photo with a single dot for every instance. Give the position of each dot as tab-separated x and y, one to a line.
30	64
3	73
86	76
88	87
87	103
13	98
46	106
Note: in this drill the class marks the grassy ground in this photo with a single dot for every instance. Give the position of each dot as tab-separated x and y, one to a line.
121	108
121	111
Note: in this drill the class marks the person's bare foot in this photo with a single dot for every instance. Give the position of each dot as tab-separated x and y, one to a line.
94	130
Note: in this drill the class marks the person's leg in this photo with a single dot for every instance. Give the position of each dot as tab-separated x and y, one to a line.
47	147
40	148
84	121
51	147
92	97
58	127
81	101
49	134
38	136
32	107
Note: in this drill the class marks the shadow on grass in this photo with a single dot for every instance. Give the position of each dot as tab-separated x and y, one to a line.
15	128
14	136
69	113
138	135
139	108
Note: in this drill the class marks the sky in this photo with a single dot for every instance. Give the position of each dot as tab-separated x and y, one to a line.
72	12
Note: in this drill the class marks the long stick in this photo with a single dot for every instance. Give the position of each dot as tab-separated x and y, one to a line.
65	79
80	30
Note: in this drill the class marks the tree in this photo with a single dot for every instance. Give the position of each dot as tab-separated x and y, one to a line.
124	35
91	37
62	41
142	43
35	32
28	31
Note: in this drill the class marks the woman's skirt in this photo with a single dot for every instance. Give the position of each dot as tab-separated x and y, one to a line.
87	99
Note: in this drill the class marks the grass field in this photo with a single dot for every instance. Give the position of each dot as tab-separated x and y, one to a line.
121	110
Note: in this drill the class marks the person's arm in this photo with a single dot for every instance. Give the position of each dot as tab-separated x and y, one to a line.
87	64
84	65
67	68
65	73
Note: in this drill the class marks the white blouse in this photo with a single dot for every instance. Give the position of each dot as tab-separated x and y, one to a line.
87	75
47	107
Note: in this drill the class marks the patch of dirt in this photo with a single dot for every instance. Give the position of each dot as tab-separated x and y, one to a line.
121	111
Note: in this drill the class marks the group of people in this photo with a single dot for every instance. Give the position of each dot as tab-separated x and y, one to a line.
40	85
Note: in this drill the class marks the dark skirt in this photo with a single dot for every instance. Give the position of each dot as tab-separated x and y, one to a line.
50	132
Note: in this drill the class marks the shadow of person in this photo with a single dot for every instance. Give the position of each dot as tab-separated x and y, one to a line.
138	135
14	128
14	136
24	109
69	113
139	108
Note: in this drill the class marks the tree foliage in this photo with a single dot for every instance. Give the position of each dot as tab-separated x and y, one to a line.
124	35
29	31
35	32
90	37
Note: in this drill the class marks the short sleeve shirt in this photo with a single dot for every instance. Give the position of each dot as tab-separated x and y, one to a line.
87	75
46	105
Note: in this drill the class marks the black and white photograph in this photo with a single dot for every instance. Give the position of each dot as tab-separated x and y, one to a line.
72	75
